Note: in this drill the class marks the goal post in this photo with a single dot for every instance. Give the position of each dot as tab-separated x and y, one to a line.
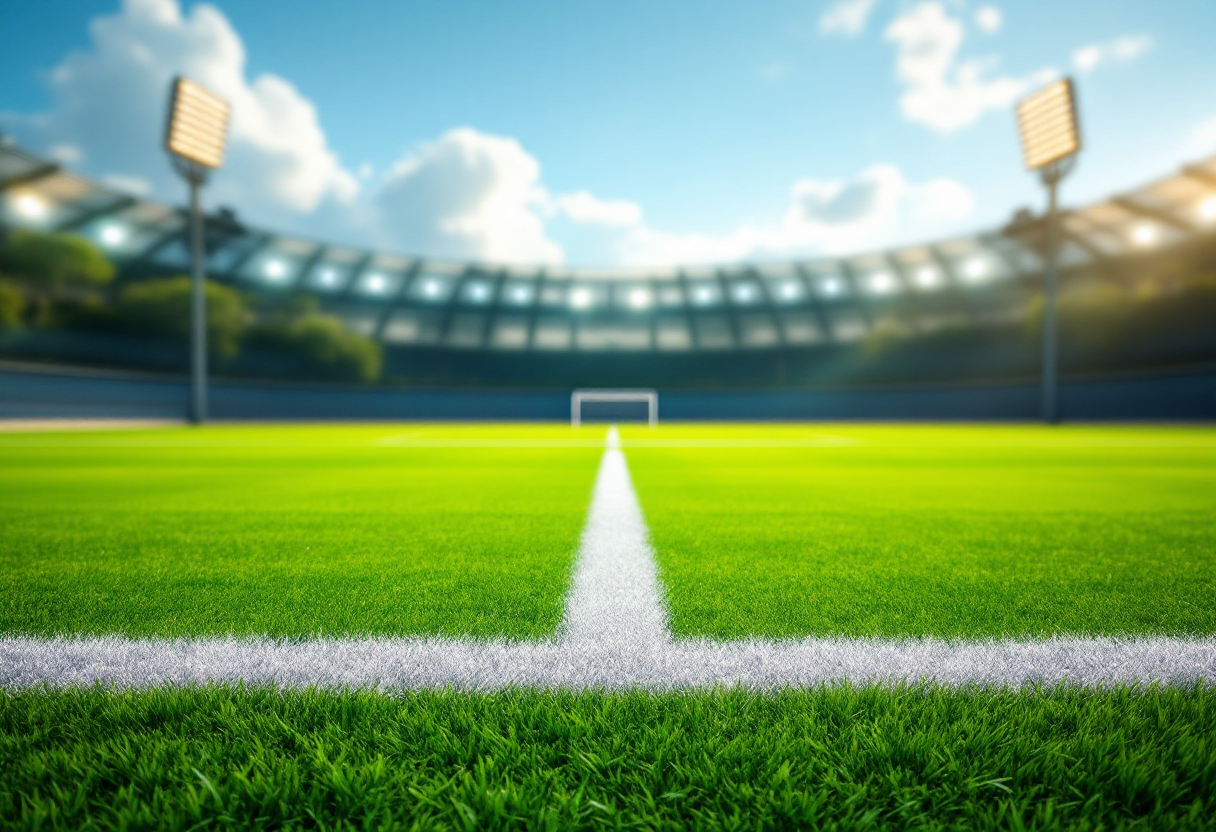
579	397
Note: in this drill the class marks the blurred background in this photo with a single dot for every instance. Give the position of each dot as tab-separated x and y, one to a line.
811	210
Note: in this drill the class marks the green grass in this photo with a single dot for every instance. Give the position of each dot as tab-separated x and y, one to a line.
947	531
855	758
292	531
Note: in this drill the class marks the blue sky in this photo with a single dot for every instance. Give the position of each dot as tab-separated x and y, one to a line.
615	133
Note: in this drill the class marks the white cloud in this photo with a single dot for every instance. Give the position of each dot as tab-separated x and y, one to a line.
989	19
109	101
941	91
1126	48
68	154
128	184
468	195
846	17
582	207
879	207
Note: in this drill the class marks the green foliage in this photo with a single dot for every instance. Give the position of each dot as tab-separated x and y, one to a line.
52	262
12	304
289	531
828	758
326	343
162	307
959	531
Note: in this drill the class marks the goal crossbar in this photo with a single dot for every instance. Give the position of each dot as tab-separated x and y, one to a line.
650	397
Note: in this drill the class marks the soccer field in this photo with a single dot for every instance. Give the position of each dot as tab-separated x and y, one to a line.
713	625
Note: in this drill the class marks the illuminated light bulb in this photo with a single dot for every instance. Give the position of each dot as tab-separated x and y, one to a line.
927	277
1207	209
882	283
1144	235
31	207
376	283
580	298
113	235
639	299
276	269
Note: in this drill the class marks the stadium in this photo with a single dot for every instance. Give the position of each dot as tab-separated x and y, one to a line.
296	533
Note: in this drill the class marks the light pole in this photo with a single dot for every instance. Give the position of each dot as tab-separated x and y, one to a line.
195	135
1051	139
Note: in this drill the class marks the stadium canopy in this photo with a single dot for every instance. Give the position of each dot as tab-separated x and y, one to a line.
419	302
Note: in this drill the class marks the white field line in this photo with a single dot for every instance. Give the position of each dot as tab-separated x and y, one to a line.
614	635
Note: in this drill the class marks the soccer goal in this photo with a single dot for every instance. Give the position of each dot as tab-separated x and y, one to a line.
614	397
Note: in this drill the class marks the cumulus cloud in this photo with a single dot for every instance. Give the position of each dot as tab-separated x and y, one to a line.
878	207
1201	141
108	104
989	19
468	194
940	90
583	207
846	17
1126	48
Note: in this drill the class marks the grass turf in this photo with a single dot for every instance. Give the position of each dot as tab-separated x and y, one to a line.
960	531
292	531
840	757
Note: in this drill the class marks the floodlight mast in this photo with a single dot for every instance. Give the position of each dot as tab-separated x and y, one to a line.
195	136
1051	139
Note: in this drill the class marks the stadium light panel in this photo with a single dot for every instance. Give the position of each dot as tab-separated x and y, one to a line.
703	295
198	124
640	299
479	292
276	269
113	235
1047	121
31	207
790	291
521	294
882	283
431	289
745	293
581	298
1144	234
928	277
976	269
831	287
376	283
328	278
1207	209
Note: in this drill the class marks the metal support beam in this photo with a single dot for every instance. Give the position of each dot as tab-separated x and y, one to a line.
85	217
1199	174
816	302
40	172
1157	214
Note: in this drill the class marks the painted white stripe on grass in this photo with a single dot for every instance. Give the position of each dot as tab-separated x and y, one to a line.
614	635
615	602
391	663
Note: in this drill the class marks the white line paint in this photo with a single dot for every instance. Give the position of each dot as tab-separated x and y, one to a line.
614	635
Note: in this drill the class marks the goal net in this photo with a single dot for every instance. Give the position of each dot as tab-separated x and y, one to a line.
613	406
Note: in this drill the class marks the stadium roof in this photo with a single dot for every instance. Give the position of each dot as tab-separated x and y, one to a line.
411	301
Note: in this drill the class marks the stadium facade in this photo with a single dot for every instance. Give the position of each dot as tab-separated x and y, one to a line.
774	326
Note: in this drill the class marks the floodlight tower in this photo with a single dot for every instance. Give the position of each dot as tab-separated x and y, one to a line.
1051	139
195	135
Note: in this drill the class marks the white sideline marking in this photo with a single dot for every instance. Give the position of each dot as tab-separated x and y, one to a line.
614	635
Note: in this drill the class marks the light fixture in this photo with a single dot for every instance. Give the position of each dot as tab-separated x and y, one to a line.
745	293
479	292
31	206
521	294
927	277
113	235
831	287
976	269
703	295
580	298
431	288
1047	121
276	269
376	283
328	278
881	283
640	298
198	124
1207	209
790	290
1144	234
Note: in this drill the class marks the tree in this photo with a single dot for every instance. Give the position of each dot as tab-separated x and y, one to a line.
52	262
162	307
326	343
12	304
